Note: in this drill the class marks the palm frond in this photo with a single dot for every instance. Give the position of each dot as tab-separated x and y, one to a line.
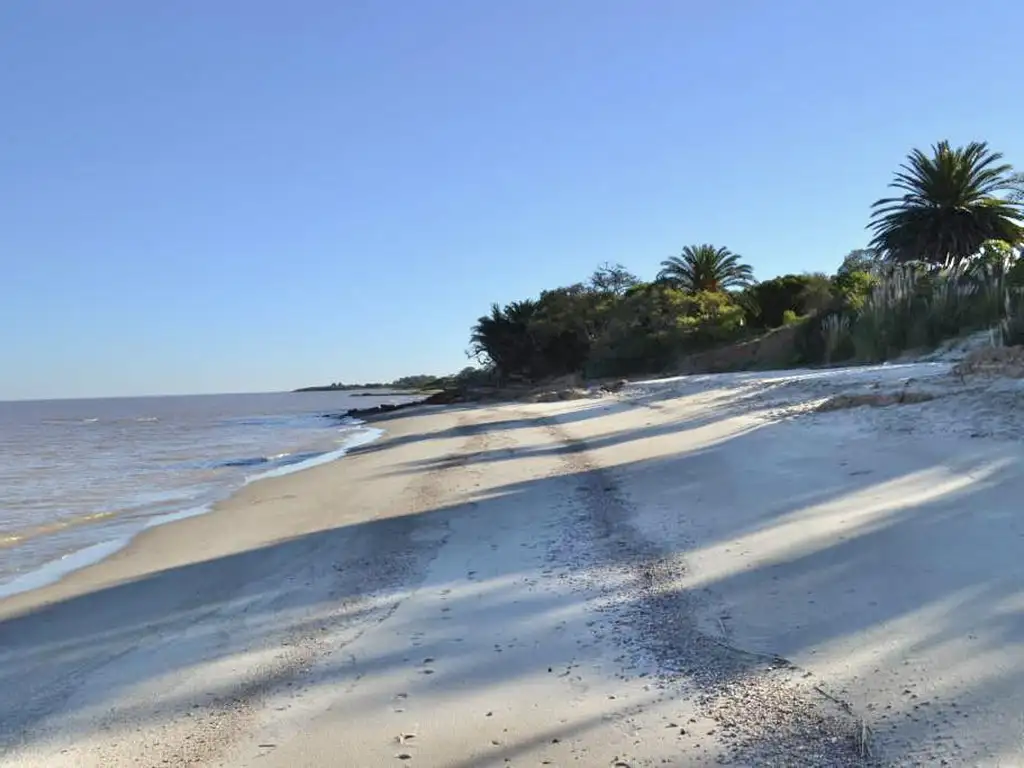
705	268
953	201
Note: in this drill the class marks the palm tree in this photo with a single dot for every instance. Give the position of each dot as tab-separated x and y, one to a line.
1016	188
952	202
705	268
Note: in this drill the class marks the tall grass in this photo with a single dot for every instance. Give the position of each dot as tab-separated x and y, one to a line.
835	329
1011	328
886	319
914	308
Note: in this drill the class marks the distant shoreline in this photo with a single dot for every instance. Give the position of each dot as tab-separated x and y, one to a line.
357	390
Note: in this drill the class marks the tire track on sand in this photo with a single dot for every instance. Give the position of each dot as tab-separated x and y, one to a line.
769	712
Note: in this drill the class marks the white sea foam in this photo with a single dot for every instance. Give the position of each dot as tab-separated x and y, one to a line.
54	571
172	517
362	437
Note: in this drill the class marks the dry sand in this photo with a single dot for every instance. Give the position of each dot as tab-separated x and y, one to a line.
694	571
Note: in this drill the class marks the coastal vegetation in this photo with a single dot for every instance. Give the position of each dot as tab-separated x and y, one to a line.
414	383
944	259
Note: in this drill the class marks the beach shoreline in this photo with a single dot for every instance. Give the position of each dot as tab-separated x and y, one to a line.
51	576
691	570
122	525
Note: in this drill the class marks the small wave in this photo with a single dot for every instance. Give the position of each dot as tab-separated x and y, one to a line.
279	464
55	570
342	419
147	419
253	461
278	458
298	458
301	461
182	514
278	420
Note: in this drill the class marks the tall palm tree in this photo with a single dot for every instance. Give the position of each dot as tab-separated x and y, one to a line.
705	268
953	201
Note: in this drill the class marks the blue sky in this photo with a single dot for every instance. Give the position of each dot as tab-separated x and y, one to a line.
251	195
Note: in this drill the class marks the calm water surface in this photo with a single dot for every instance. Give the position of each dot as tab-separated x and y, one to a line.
79	477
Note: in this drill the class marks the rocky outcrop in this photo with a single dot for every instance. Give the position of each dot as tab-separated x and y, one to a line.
444	397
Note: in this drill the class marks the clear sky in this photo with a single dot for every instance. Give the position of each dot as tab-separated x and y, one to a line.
244	195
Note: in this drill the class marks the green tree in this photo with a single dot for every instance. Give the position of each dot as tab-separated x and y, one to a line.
705	268
852	288
612	278
503	340
568	320
861	260
952	202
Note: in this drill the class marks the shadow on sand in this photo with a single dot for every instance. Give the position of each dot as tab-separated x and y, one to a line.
45	653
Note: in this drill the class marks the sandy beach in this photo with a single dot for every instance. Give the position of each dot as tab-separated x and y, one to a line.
690	572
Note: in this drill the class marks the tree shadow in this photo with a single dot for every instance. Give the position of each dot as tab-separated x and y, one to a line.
744	384
898	555
595	408
706	501
659	426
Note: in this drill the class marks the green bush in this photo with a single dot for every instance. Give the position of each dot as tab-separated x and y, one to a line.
767	303
656	324
852	289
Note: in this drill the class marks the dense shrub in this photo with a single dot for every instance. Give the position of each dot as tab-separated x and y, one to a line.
871	310
655	324
850	289
799	295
